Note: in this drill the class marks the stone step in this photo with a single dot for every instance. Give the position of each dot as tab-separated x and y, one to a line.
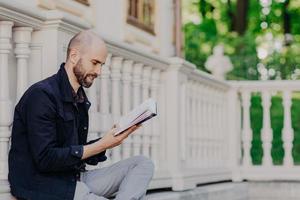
219	191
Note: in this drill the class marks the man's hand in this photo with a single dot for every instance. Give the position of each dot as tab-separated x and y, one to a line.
108	141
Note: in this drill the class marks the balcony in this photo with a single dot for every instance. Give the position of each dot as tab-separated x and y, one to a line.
202	134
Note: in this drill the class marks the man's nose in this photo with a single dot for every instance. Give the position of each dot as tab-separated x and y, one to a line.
98	71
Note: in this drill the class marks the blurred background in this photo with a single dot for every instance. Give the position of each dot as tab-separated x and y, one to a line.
262	38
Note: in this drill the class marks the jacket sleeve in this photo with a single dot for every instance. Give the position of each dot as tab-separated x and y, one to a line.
41	125
100	157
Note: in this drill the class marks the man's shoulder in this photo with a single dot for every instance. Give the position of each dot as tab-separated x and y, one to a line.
46	85
44	88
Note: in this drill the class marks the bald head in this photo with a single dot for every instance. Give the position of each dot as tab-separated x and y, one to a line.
86	55
85	41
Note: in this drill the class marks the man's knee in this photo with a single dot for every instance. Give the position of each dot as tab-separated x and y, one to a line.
146	162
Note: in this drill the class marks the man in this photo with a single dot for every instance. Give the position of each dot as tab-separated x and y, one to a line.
49	150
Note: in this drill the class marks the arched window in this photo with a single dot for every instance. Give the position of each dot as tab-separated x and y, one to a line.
141	14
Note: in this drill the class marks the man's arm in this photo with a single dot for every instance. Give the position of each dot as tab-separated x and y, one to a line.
41	125
108	141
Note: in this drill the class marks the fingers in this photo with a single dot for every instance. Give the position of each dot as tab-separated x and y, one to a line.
126	133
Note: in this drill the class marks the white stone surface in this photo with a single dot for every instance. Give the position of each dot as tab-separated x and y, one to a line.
283	190
221	191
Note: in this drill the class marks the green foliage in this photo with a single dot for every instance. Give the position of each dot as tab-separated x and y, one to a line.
215	26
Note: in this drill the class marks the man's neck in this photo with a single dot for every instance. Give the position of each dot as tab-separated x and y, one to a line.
72	78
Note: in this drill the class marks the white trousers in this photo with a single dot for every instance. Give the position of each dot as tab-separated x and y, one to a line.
126	180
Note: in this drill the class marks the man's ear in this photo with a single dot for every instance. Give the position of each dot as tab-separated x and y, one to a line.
74	56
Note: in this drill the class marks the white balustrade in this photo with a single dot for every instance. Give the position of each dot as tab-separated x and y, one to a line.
267	170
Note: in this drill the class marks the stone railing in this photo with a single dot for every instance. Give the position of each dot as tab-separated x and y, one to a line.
267	170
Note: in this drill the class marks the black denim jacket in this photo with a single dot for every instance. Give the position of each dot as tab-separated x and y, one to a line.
48	135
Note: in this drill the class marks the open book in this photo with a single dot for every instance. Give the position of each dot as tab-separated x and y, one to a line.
138	115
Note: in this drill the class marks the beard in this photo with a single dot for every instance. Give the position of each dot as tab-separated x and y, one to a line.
85	80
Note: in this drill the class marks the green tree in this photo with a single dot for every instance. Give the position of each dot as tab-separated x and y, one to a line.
262	39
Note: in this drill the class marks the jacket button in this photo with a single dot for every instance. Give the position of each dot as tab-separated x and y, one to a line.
76	152
85	128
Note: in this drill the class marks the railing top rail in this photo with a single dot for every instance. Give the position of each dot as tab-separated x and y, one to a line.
197	75
137	55
272	85
24	15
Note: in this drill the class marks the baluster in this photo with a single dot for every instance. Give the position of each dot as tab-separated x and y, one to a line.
201	126
182	120
224	140
154	149
193	123
104	102
22	39
205	127
246	130
93	115
209	127
146	126
198	127
136	83
116	110
188	122
213	125
288	133
126	78
216	125
104	80
6	107
266	129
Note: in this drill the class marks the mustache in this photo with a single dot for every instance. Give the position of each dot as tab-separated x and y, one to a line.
93	75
